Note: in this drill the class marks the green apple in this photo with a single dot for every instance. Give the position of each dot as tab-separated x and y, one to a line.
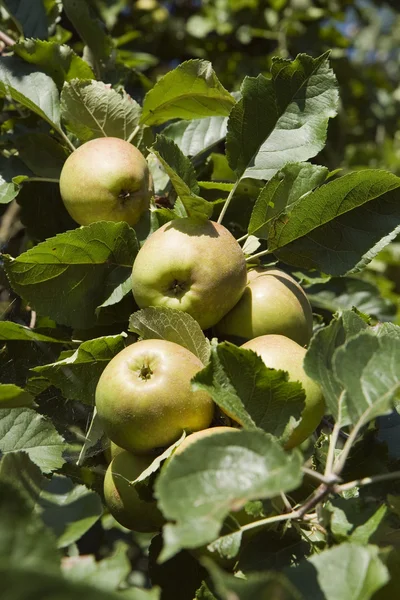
111	450
190	265
144	398
272	303
106	179
199	435
122	499
280	352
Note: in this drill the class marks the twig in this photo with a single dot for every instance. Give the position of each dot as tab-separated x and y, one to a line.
366	481
244	237
6	39
330	459
327	479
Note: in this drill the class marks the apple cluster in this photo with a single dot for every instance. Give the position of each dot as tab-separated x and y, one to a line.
144	396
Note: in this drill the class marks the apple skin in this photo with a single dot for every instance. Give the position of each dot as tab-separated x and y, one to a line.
122	499
106	179
111	450
198	435
272	303
280	352
190	265
144	399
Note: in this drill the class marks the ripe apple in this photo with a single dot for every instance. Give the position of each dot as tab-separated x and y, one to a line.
190	265
106	179
144	399
280	352
122	499
198	435
272	303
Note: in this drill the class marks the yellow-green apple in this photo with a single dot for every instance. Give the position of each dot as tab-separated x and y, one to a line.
106	179
272	303
280	352
121	497
144	398
190	265
199	435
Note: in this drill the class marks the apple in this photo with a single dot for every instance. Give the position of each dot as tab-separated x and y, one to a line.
144	398
280	352
122	499
106	179
190	265
272	303
199	435
111	450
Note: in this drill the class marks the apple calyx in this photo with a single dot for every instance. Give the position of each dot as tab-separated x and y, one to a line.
145	372
177	288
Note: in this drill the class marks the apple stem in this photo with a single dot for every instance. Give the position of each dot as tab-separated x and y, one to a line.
243	238
46	179
228	201
66	139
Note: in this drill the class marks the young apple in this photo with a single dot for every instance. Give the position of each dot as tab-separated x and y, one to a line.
122	499
190	265
280	352
106	179
272	303
144	398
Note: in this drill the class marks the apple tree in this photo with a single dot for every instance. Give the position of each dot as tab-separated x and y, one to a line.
200	299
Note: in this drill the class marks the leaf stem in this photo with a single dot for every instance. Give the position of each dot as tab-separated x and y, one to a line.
341	460
243	238
258	255
228	201
330	459
133	134
46	179
367	481
66	139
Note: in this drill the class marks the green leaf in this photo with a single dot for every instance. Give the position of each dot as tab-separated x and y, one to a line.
59	62
323	230
20	584
183	177
172	325
91	30
25	542
249	392
69	510
23	429
29	16
106	574
10	168
268	585
280	195
190	91
374	378
318	362
194	491
197	136
362	534
282	119
349	572
92	109
77	375
31	88
12	396
343	293
43	155
117	295
89	262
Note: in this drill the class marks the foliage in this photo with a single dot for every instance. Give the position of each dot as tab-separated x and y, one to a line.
281	120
